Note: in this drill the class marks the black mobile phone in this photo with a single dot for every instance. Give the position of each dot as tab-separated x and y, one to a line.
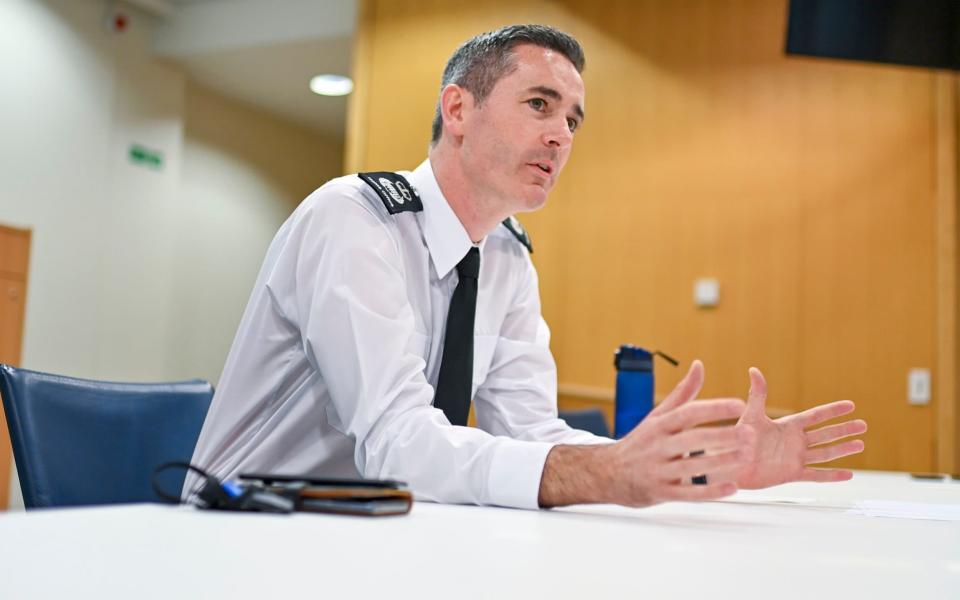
323	481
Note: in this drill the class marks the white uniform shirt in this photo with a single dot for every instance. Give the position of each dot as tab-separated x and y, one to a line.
333	368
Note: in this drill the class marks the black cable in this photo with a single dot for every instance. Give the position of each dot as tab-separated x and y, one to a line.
225	496
169	498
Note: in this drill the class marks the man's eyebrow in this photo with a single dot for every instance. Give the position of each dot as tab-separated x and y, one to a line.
554	94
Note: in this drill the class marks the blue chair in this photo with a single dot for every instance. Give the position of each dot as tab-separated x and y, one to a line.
80	442
590	420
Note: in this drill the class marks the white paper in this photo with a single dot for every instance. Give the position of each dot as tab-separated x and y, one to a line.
767	499
906	510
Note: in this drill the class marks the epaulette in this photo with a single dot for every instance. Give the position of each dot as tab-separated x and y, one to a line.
519	232
394	190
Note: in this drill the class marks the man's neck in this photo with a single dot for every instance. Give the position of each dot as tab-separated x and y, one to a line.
478	214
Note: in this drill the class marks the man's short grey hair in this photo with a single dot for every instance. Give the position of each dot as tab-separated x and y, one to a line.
481	61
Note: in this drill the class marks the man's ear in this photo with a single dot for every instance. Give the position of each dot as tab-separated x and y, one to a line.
456	104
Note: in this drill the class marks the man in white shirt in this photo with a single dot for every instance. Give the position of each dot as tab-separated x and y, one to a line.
338	367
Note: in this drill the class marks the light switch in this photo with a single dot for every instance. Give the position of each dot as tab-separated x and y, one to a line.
918	386
706	292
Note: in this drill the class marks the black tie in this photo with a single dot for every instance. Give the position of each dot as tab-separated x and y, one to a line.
456	367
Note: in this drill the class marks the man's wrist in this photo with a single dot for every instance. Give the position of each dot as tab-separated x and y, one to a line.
577	475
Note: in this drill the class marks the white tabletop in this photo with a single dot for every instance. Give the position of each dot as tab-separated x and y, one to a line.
794	541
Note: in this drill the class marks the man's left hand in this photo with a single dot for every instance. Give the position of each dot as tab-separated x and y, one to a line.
784	447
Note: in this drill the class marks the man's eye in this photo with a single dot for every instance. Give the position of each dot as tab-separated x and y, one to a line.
537	103
572	124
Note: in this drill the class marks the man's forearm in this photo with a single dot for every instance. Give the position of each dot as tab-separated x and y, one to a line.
576	475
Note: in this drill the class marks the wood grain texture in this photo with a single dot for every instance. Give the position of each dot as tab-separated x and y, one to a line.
14	252
945	399
808	187
14	265
357	104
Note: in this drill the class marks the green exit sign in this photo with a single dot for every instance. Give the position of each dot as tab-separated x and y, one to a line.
140	155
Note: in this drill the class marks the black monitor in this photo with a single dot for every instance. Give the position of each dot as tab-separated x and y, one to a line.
922	33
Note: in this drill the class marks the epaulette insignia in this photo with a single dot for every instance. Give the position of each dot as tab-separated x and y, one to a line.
519	232
395	191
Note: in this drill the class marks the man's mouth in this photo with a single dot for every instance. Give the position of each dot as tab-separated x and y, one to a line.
545	167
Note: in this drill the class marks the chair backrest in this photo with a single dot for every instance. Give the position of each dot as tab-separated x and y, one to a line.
80	442
590	419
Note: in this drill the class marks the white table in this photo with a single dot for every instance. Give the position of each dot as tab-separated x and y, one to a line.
750	546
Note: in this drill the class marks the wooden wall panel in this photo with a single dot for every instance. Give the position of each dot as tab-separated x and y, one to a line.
946	414
14	252
14	263
869	280
808	187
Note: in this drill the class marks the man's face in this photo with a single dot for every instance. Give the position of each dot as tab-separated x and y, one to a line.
517	142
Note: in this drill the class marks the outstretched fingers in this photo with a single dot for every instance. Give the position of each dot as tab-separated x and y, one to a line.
757	398
686	390
719	468
826	475
702	411
824	454
824	412
700	493
832	433
705	438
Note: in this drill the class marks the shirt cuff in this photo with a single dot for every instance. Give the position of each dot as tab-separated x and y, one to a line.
515	473
585	438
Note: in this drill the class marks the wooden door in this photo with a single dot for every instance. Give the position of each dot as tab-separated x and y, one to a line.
14	261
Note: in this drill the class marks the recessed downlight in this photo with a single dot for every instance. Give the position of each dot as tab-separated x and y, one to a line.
331	85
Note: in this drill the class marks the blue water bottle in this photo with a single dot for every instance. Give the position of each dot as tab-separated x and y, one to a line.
634	398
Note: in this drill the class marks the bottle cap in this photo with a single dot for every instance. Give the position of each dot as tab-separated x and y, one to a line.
632	358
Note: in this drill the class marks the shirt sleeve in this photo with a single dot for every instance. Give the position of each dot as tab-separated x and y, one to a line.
518	398
351	306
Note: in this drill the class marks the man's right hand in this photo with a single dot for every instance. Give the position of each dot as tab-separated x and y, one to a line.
653	463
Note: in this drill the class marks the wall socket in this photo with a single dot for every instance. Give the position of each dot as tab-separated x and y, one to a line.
918	386
706	292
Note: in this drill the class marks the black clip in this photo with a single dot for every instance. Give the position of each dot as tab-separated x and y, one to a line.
669	359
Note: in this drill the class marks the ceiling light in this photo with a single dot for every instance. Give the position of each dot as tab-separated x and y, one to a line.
331	85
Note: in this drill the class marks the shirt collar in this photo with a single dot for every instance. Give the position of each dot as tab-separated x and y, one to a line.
447	240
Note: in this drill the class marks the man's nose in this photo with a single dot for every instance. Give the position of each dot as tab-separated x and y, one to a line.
558	135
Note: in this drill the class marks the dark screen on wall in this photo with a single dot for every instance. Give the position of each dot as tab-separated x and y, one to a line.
923	33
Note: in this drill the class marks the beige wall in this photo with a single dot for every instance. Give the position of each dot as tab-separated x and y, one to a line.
135	274
243	173
809	188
